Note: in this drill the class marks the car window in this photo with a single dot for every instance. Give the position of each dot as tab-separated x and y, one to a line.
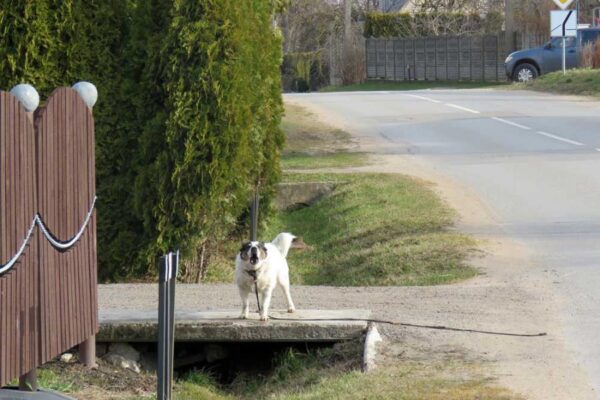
557	42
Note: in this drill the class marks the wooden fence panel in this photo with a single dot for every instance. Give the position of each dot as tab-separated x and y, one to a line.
19	308
65	144
48	299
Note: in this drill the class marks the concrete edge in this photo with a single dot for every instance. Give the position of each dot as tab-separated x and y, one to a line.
9	393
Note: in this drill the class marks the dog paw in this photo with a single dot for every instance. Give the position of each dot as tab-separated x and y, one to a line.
264	318
244	316
291	310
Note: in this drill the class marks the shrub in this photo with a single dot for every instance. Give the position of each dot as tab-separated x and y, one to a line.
386	25
187	121
587	56
378	24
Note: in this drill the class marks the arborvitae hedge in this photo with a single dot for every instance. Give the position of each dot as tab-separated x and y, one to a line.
187	118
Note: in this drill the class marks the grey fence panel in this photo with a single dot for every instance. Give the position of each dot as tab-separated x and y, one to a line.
399	64
464	58
453	59
420	60
371	57
474	58
390	62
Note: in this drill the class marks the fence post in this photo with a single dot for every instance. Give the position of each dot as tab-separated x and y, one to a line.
497	58
483	57
435	58
29	382
394	54
366	57
87	352
404	61
471	58
385	59
167	277
447	60
459	56
425	42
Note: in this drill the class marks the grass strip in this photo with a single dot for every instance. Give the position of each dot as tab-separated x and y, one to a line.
584	81
376	230
335	160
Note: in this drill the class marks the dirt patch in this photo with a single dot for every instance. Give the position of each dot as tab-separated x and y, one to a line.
105	382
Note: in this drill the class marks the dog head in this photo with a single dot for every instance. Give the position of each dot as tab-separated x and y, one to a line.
253	253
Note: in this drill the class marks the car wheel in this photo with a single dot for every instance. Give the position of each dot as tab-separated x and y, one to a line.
525	73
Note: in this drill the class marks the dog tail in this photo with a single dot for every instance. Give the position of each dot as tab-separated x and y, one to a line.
283	242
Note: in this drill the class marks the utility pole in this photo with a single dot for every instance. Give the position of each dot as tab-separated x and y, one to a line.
347	23
509	22
347	50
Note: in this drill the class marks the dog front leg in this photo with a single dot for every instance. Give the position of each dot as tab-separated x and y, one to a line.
266	303
245	295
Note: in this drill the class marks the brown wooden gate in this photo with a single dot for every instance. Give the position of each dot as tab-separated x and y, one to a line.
48	299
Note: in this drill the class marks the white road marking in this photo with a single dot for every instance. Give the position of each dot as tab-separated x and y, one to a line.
505	121
562	139
463	108
424	98
502	120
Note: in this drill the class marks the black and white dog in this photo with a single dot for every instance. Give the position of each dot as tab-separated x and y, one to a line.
265	265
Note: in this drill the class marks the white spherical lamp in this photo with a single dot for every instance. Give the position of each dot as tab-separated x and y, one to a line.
87	91
27	95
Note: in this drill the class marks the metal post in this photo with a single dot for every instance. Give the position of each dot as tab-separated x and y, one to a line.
167	274
564	55
87	352
254	217
28	382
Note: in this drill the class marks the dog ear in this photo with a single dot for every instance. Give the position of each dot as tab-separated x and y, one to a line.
245	247
263	248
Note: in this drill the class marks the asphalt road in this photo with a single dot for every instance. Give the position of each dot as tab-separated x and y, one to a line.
533	158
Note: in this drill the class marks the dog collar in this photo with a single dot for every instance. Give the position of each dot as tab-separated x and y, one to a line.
252	273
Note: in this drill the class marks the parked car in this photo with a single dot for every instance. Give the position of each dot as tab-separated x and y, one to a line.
524	65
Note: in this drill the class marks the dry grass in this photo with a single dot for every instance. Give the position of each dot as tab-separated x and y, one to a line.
321	374
587	56
311	143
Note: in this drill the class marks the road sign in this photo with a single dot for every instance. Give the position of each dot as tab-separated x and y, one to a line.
563	3
563	23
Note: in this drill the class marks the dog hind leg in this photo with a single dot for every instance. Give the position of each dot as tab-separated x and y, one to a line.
284	283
